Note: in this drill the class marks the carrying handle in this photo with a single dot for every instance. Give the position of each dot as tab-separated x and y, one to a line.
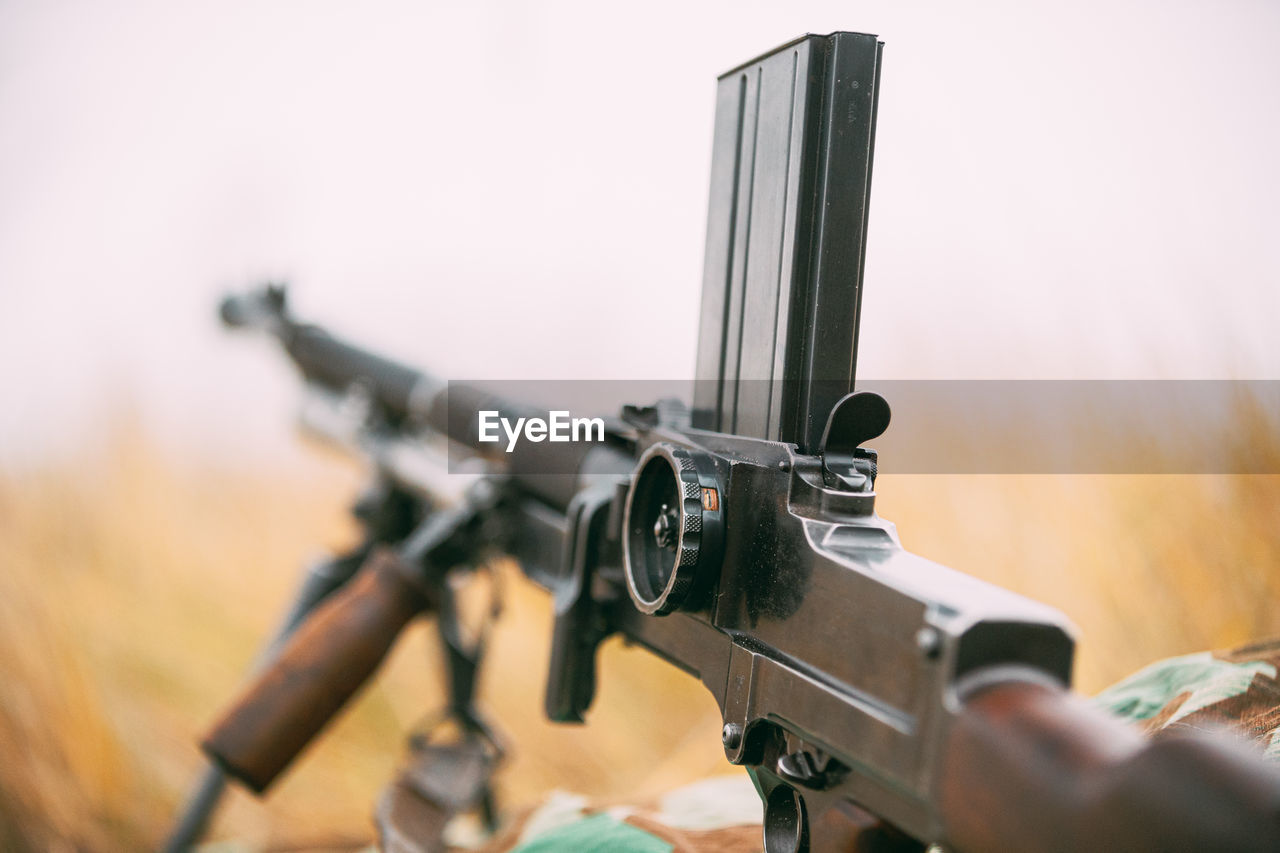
322	665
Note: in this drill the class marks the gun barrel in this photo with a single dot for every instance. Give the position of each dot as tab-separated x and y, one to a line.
402	394
338	365
325	360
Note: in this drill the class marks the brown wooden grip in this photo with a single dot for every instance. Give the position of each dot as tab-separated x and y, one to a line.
322	664
1031	768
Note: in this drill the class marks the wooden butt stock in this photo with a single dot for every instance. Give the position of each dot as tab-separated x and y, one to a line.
323	663
1032	768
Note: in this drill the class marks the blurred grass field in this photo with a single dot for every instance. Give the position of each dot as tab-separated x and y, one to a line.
135	587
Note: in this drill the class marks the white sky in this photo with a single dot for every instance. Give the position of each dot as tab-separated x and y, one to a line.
1066	189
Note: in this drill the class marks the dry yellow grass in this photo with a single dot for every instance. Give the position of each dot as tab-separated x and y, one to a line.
134	589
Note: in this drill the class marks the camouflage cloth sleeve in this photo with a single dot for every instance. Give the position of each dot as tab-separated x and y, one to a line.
717	815
1236	690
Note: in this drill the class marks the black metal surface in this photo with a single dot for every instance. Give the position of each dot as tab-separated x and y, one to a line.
855	420
786	234
812	634
580	621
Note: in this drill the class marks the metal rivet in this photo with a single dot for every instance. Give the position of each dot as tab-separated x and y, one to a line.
731	736
928	641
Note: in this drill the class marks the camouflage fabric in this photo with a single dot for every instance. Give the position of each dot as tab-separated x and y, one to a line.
717	815
1236	690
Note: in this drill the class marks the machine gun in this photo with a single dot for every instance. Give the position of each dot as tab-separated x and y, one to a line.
878	700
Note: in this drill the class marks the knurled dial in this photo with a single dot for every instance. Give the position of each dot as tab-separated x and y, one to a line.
673	517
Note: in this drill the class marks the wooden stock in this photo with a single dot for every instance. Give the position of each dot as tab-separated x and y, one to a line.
324	662
1031	768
